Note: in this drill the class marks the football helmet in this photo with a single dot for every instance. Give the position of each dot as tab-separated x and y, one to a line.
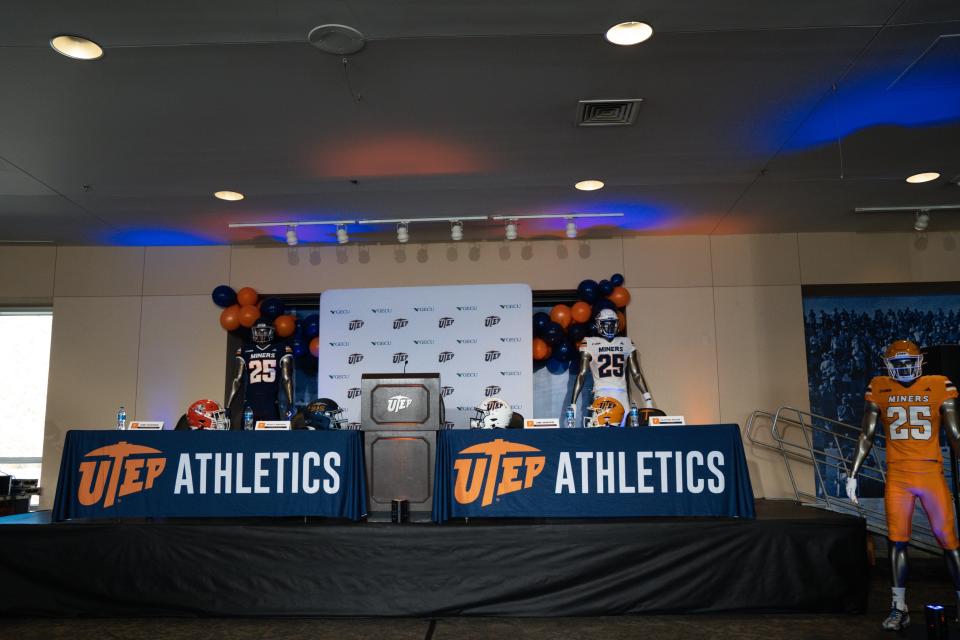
262	332
492	413
207	414
607	324
904	360
323	413
606	412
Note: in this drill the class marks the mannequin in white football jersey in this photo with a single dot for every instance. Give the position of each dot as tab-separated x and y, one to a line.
610	359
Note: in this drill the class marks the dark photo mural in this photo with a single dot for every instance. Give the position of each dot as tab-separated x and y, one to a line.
847	329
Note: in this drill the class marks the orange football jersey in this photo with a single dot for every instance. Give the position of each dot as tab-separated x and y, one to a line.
911	416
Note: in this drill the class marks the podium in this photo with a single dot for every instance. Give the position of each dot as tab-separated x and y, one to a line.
400	415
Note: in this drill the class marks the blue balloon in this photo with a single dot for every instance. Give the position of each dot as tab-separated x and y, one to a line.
564	351
540	319
224	296
298	347
271	308
605	287
311	326
617	280
599	305
555	366
553	333
577	332
587	291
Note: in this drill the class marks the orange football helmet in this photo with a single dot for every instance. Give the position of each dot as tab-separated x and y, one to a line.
207	414
903	360
607	412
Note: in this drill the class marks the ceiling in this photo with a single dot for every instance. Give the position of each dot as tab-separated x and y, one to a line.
758	116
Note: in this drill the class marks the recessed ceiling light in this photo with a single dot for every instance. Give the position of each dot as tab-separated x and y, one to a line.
229	195
629	33
76	47
919	178
589	185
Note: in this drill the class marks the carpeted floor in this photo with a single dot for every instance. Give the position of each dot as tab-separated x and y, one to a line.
929	582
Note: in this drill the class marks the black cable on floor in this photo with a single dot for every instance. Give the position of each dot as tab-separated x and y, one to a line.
430	629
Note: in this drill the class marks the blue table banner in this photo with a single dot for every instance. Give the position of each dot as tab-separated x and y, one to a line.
137	474
592	473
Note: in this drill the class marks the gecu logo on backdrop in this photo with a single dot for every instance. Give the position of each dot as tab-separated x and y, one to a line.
478	467
118	470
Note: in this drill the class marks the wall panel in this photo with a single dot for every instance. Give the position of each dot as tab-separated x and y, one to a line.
93	370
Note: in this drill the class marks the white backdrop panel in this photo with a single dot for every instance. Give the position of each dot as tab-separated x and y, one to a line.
478	337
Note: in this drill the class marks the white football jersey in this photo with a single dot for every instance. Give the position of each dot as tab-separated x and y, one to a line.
608	364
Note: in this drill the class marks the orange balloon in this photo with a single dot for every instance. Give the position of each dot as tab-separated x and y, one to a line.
246	297
230	318
285	326
315	347
248	315
541	350
561	315
622	322
620	297
581	312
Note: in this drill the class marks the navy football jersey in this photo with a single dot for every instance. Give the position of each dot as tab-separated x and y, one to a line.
261	367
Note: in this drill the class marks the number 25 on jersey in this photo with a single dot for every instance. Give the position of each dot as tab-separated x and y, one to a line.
909	423
263	371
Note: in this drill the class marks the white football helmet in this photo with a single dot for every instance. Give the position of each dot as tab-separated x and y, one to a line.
607	324
492	413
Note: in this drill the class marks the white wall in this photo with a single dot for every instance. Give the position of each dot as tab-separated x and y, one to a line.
717	319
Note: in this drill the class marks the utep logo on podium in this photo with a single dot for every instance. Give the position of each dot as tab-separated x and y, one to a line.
479	471
130	468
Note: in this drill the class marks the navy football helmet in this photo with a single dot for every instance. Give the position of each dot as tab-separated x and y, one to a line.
323	413
262	333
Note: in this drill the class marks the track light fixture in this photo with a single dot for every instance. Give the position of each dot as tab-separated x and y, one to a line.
342	237
511	229
456	230
571	228
921	221
292	238
403	232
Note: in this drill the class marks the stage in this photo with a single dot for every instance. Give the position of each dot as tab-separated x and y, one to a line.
789	559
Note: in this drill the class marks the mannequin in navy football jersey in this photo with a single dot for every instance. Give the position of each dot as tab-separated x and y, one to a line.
264	368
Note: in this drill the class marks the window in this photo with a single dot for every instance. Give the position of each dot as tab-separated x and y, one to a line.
23	389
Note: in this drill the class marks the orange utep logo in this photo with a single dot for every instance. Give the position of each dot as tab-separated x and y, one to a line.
100	478
479	472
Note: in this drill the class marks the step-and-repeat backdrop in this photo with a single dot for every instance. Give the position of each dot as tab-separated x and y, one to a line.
478	337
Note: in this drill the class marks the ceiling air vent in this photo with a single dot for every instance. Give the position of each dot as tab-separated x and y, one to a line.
607	113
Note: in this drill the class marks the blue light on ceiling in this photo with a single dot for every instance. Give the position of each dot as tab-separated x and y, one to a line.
874	101
158	238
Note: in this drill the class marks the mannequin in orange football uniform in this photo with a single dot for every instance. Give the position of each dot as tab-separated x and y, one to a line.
911	408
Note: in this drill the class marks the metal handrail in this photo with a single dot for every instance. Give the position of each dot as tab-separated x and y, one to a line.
788	420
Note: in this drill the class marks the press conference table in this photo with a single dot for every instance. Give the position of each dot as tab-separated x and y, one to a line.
541	473
592	473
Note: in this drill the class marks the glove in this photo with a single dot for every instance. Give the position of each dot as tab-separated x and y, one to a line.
852	490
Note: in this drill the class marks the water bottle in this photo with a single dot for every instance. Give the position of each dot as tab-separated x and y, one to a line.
248	419
569	418
634	415
122	419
